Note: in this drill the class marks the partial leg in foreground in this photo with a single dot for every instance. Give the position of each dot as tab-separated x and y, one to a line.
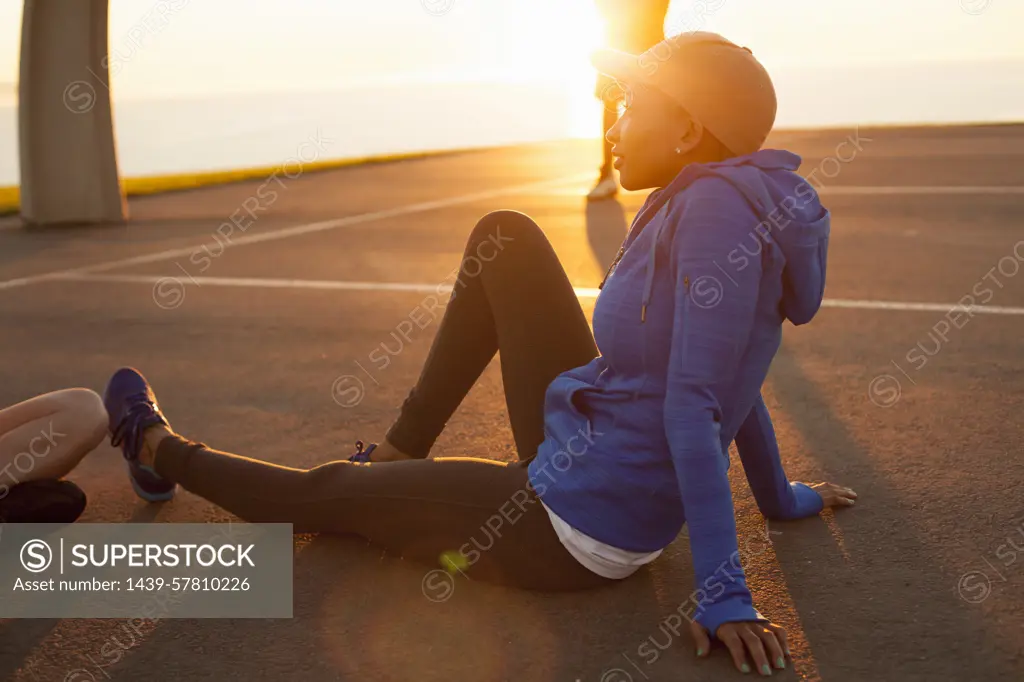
41	440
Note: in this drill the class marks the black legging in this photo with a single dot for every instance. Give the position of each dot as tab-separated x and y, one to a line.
511	295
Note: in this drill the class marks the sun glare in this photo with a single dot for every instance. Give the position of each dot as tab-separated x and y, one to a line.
550	45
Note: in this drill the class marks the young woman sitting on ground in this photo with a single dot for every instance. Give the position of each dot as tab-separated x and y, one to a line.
623	434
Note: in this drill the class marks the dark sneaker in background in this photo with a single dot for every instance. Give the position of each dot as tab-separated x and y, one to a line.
45	501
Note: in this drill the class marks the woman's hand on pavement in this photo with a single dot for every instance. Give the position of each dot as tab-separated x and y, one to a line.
834	495
762	643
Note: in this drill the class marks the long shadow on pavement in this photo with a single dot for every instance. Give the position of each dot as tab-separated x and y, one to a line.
867	578
18	637
606	228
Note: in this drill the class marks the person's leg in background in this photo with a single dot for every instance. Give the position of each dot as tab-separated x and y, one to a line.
608	120
631	26
610	94
41	440
512	295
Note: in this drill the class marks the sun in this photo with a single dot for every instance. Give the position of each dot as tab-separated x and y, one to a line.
550	44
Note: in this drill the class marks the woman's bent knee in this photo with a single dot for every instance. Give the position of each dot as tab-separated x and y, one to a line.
84	416
504	227
64	427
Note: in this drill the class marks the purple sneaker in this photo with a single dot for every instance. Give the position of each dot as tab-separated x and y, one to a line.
362	452
132	408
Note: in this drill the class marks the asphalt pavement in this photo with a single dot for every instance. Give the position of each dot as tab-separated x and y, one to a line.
247	332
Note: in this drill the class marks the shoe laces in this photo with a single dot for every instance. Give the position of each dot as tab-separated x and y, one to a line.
362	452
135	419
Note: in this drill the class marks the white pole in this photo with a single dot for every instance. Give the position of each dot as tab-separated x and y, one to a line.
65	128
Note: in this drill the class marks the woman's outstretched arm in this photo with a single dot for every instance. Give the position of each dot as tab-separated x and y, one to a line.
777	498
713	320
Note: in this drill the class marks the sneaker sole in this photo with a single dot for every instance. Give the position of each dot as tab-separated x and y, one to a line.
148	496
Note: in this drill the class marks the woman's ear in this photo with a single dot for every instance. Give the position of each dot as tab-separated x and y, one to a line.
690	133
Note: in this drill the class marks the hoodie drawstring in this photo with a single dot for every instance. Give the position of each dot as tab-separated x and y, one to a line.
746	177
748	180
751	187
651	256
649	280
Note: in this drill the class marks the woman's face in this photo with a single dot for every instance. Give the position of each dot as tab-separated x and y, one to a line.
645	139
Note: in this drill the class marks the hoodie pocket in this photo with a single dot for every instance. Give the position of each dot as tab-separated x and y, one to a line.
575	396
565	411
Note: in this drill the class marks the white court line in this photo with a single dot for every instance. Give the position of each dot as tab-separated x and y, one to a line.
309	228
878	190
582	292
860	190
927	307
297	230
857	190
908	190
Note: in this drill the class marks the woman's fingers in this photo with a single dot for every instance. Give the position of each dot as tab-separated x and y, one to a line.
833	495
780	634
730	638
700	638
848	493
773	647
764	644
755	647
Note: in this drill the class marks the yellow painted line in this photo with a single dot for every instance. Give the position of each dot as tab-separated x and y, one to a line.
9	199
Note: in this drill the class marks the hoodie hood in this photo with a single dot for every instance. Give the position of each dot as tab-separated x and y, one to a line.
790	213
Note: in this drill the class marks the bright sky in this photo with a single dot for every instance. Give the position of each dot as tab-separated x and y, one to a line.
221	45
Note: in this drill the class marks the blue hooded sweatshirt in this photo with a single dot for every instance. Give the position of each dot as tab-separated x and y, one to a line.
687	323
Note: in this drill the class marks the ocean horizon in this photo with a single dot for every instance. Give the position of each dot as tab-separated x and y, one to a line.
223	131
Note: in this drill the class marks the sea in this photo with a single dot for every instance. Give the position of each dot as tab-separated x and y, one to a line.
211	131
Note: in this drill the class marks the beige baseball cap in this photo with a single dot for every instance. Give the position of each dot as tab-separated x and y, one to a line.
718	82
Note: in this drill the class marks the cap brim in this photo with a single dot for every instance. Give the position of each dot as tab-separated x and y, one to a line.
621	66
